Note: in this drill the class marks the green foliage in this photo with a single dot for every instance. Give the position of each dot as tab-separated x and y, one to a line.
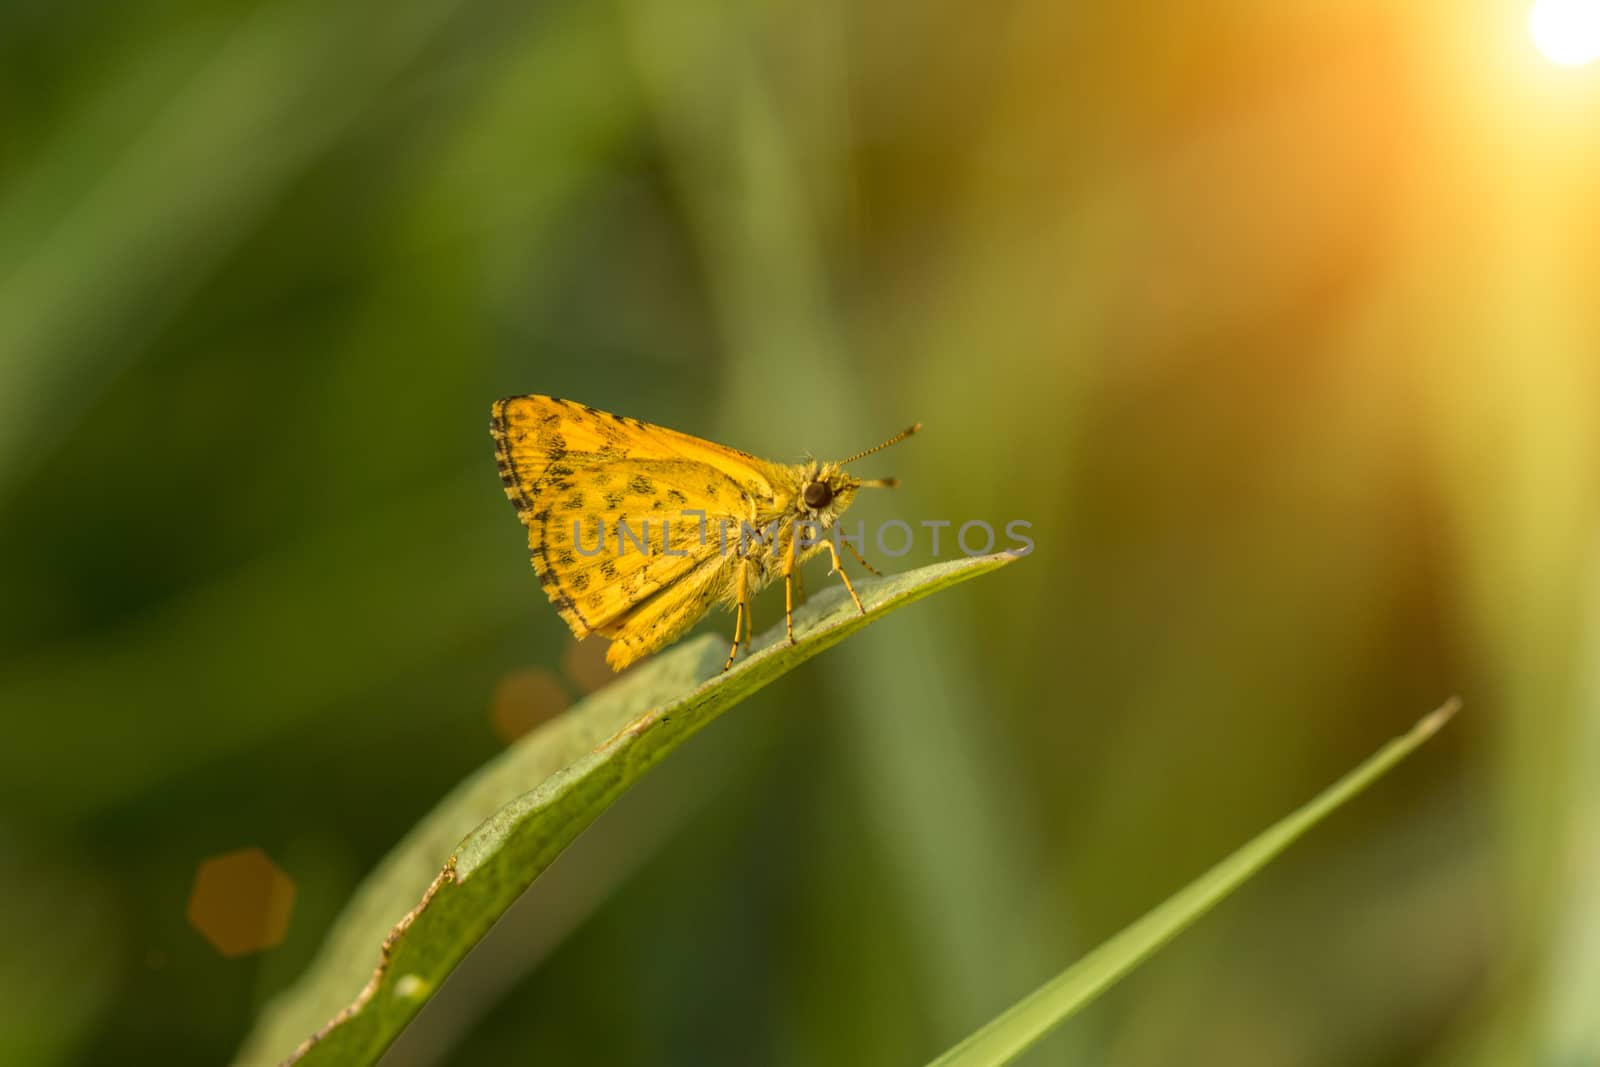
1276	322
1021	1026
582	761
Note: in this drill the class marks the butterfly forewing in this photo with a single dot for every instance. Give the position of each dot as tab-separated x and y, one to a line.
612	508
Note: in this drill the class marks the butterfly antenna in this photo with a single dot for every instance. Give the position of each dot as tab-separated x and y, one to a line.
896	439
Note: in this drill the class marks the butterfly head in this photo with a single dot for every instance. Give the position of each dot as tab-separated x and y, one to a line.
827	489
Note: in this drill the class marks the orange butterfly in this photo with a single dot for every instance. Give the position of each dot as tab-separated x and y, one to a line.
636	530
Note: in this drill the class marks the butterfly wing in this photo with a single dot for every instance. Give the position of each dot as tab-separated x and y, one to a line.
668	614
579	477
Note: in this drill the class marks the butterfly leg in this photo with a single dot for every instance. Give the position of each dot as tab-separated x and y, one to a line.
838	568
788	591
741	618
862	560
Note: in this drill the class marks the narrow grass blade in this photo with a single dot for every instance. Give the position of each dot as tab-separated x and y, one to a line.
1020	1026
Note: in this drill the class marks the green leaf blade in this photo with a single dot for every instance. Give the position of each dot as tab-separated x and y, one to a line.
438	892
1022	1025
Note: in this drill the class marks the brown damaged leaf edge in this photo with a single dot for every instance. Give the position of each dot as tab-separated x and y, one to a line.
606	742
385	953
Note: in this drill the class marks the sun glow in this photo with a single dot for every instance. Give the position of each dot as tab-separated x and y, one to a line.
1566	32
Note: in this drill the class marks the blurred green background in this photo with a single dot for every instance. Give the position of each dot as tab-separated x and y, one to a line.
1277	321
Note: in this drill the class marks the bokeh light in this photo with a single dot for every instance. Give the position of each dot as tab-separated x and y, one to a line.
241	902
584	664
522	700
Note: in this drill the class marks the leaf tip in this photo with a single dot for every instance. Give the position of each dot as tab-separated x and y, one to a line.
1432	722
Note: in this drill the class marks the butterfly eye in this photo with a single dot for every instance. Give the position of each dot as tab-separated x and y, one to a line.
817	495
